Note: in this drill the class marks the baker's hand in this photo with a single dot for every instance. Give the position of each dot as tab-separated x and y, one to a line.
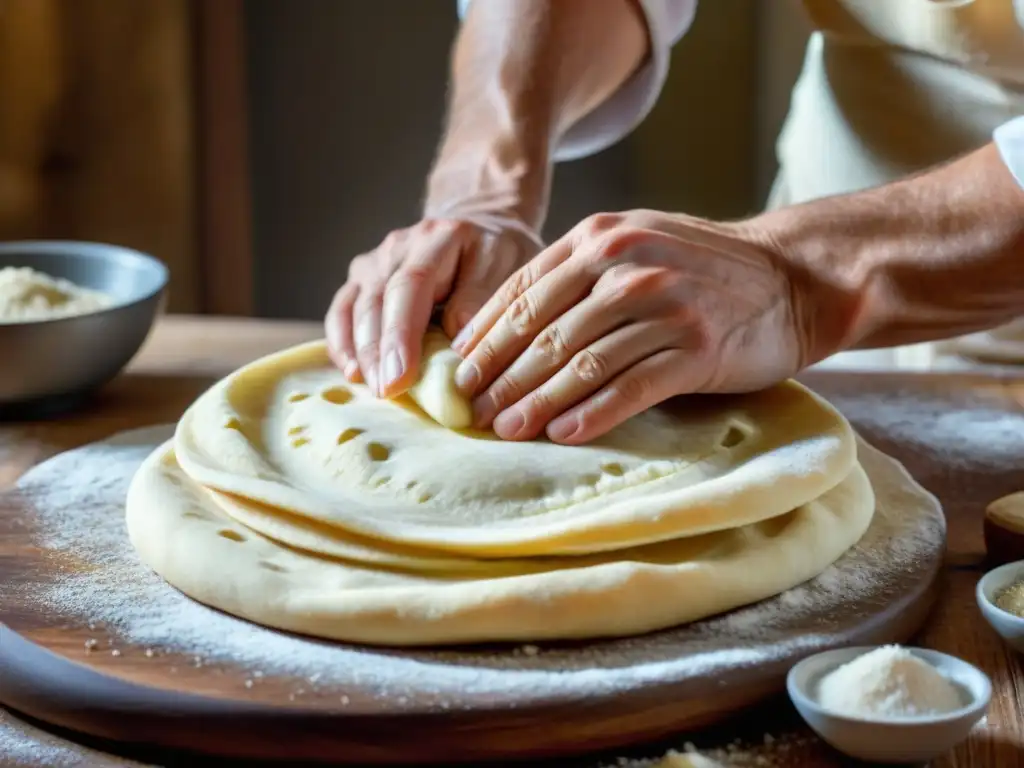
376	322
621	313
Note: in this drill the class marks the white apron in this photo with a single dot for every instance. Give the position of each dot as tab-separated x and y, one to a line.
890	87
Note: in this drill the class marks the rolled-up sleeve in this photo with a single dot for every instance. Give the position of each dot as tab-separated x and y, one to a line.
1009	140
667	21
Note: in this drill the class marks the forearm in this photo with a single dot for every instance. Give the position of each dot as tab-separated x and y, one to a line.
933	256
523	71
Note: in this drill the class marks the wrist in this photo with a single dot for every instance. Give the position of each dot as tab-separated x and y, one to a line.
502	177
928	257
830	269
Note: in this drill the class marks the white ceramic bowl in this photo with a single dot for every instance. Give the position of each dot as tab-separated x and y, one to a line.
1009	627
911	740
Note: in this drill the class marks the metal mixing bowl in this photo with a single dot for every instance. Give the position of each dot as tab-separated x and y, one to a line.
49	366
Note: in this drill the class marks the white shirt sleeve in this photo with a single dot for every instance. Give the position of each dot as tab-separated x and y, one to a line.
614	119
1009	140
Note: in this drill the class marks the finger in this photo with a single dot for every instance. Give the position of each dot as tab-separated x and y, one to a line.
548	353
366	322
633	391
587	372
538	306
338	329
412	291
513	287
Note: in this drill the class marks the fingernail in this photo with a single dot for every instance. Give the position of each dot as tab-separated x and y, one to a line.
462	337
467	376
563	428
351	369
393	368
509	423
371	381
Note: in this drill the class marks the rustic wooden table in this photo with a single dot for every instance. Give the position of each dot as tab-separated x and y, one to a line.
184	355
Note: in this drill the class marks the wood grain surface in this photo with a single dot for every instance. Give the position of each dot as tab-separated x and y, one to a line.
185	355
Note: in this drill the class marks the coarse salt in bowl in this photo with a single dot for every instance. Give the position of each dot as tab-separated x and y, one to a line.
894	732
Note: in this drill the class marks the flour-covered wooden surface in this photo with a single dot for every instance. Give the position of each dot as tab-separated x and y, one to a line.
961	435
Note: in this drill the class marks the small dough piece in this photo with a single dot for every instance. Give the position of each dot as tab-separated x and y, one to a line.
435	391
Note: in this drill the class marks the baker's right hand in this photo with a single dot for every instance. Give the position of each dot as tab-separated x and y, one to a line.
376	322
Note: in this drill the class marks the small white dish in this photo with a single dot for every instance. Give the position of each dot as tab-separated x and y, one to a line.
909	740
1009	627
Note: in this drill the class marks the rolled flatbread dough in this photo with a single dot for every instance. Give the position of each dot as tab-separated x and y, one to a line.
289	432
181	532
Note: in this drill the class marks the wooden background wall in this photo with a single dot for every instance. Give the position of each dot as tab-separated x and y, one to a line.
123	121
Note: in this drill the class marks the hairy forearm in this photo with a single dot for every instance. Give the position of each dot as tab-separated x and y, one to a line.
523	72
929	257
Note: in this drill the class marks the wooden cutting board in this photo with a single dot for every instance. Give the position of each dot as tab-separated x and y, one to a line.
65	658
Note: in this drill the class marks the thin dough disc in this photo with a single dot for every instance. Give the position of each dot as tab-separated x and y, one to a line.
288	431
187	538
321	539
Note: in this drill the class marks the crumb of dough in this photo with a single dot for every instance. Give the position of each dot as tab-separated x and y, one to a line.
27	296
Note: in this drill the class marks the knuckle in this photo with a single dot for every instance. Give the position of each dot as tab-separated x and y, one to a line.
516	285
412	276
702	335
483	356
344	298
551	344
522	314
590	366
601	222
358	265
682	316
611	246
536	404
456	226
505	390
392	239
635	390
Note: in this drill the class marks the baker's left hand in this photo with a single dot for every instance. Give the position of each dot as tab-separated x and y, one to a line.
624	311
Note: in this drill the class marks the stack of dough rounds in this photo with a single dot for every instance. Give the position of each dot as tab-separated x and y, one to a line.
297	500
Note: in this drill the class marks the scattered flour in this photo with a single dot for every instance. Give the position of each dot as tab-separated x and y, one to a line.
976	435
889	682
24	746
76	502
27	295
